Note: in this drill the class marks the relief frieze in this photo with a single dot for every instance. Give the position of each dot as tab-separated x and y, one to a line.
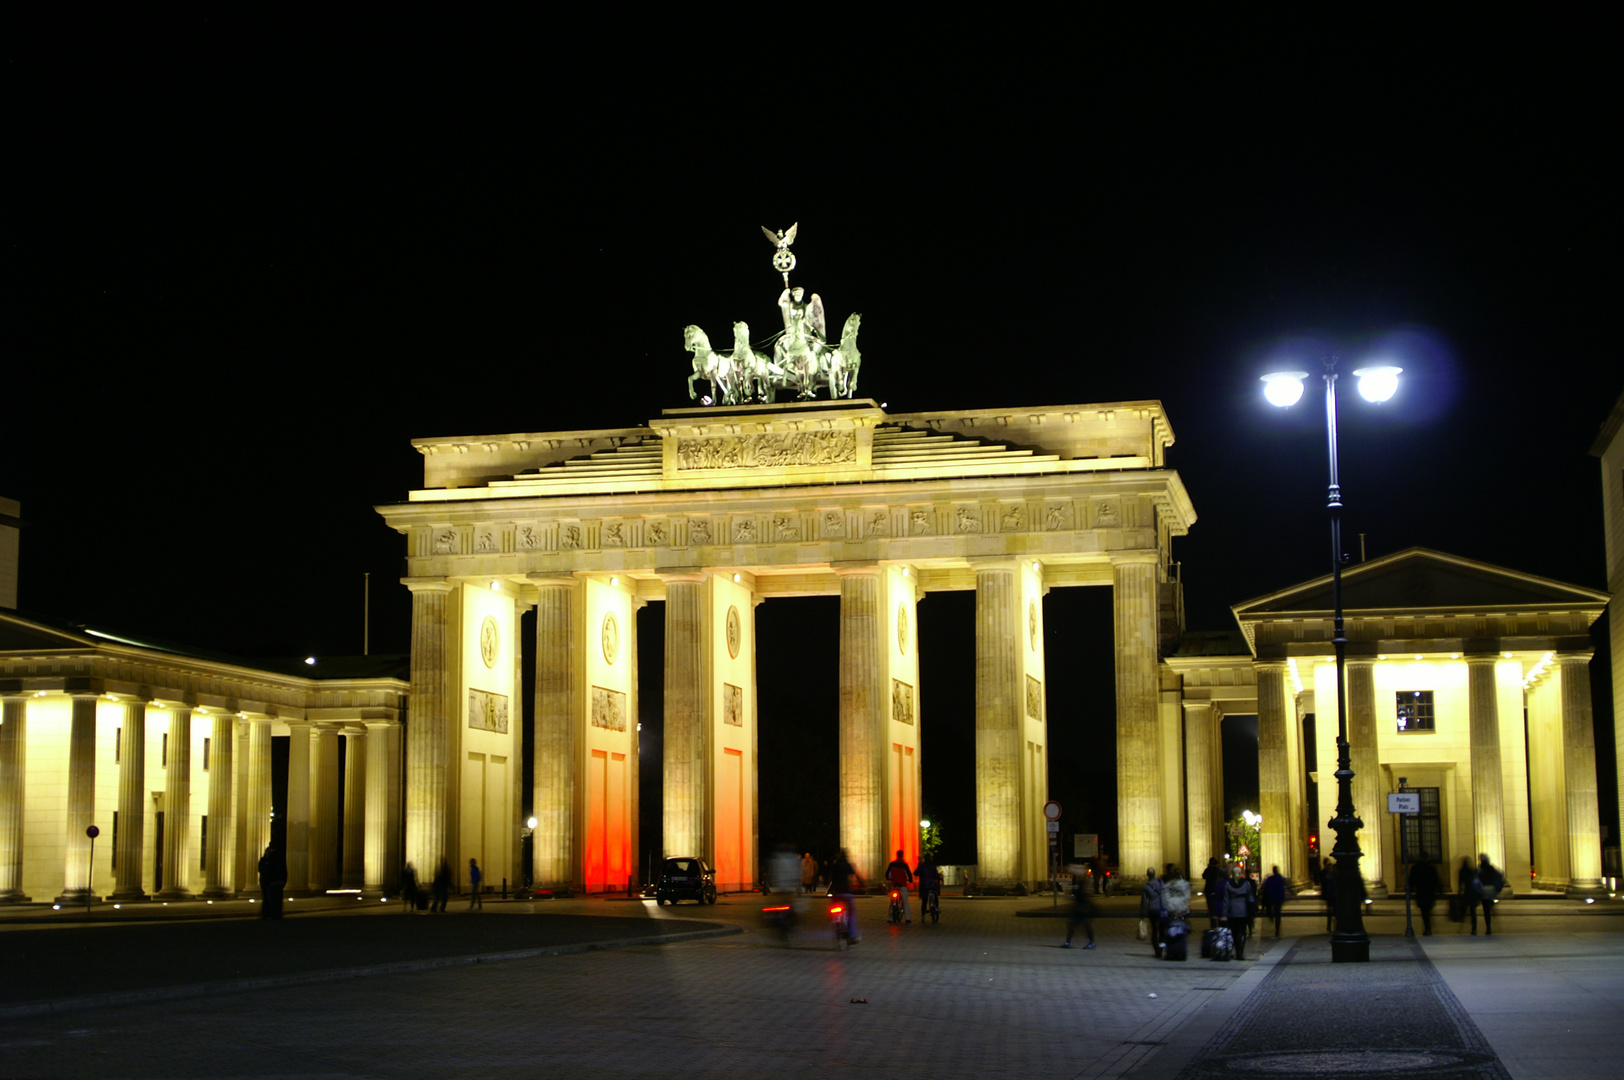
487	711
902	702
767	451
608	709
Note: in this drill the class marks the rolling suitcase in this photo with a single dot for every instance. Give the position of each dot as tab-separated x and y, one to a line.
1207	938
1177	946
1223	944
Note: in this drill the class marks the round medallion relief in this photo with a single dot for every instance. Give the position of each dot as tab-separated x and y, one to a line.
611	638
1032	623
902	629
490	641
733	631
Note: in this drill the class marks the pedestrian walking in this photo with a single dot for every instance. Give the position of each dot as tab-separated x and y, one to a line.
1239	904
408	889
1489	883
442	888
1176	905
1470	895
1274	897
1424	887
809	873
273	878
474	878
1212	884
1082	908
1152	909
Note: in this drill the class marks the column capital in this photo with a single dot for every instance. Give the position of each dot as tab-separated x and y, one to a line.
1136	558
1359	661
857	568
694	575
1269	665
1198	705
555	581
1575	656
1475	658
428	585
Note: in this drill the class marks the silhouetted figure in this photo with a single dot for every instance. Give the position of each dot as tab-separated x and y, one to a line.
475	900
273	878
1082	909
1424	887
1239	902
843	880
1470	894
408	889
1489	883
1212	886
1328	894
442	888
1153	910
1274	897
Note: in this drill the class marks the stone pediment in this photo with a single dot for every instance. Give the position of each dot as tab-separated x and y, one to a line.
1404	594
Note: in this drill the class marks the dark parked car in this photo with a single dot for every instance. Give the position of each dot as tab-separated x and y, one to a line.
685	879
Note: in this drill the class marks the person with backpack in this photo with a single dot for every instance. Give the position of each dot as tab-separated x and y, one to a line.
1239	903
1152	910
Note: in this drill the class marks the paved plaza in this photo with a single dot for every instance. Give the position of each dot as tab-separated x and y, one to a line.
575	989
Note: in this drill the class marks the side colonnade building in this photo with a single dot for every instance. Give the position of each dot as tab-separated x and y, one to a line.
716	510
1466	683
169	756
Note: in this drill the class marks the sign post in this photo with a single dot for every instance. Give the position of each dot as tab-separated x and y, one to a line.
1403	802
1051	815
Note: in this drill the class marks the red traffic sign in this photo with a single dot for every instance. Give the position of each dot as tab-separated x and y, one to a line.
1051	810
1245	850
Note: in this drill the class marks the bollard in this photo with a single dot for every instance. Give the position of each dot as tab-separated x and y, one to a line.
504	888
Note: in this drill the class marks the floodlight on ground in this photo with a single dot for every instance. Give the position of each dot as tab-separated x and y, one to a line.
1283	388
1377	383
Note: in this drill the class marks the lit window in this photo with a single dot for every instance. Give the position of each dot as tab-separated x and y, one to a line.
1415	710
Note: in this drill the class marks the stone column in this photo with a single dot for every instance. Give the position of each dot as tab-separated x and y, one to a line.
219	878
1368	803
1579	769
1139	802
324	868
177	852
1483	711
78	874
553	852
1273	767
1198	767
298	807
377	812
355	809
687	713
430	783
132	804
256	820
1000	705
13	768
863	810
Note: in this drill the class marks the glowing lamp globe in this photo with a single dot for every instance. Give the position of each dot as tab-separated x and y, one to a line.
1377	383
1283	388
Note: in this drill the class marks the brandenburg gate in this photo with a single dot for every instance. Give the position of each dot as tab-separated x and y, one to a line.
716	509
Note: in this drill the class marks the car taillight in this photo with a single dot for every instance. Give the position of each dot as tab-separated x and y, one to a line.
780	907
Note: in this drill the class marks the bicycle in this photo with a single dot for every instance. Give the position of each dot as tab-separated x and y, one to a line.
930	906
895	915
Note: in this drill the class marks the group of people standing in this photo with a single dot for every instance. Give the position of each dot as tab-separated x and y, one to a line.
440	888
1232	900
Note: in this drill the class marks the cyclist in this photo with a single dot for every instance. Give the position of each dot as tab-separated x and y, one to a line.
930	884
900	878
843	883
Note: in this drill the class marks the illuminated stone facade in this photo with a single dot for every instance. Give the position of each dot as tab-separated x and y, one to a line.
169	757
716	510
1477	645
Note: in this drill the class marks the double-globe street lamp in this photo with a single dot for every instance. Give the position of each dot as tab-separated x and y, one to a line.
1350	943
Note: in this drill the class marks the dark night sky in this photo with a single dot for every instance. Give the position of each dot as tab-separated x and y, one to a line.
238	287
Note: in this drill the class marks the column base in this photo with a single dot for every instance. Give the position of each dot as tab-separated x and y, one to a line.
133	896
168	895
1585	889
79	897
217	894
1376	890
14	896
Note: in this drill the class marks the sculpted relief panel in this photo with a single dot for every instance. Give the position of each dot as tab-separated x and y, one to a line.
608	709
487	711
767	451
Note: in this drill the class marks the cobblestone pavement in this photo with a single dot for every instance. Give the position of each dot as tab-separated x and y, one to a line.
984	993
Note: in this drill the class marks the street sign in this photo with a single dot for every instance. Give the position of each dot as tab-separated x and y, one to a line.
1051	810
1054	828
1404	802
1245	850
1085	845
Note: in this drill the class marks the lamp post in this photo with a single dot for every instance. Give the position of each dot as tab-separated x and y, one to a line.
1350	943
